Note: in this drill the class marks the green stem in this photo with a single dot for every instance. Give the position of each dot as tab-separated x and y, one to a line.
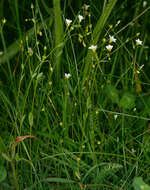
17	19
5	51
58	36
96	34
14	174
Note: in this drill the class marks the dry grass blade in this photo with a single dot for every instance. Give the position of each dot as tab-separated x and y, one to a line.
21	138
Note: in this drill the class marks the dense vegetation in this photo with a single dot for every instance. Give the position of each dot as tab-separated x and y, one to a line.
74	94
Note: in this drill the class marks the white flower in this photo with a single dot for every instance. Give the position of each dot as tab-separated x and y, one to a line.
144	3
68	21
112	39
80	17
118	22
141	67
86	6
133	150
92	47
1	53
138	42
109	47
134	109
115	116
67	75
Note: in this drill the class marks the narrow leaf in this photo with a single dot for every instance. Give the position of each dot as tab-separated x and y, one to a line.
3	173
112	93
96	34
58	180
139	184
31	119
58	34
127	101
21	138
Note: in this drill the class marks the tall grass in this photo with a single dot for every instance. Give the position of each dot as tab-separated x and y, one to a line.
73	117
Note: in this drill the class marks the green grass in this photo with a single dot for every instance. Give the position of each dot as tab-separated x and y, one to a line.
88	131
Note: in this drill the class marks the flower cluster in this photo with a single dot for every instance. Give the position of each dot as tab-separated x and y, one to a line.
112	39
109	42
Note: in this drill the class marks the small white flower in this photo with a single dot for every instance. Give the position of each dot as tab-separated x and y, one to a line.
115	116
138	42
80	17
67	75
144	3
118	22
133	150
1	53
86	6
112	39
134	109
109	47
92	47
68	21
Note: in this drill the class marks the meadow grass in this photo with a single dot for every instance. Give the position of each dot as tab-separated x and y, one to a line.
74	95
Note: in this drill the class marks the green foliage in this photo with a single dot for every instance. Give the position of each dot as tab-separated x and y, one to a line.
107	170
3	173
88	108
97	32
139	184
59	35
31	119
127	101
112	93
15	47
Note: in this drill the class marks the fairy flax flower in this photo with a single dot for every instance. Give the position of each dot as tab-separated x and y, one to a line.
67	75
68	21
109	47
112	39
138	42
80	17
93	47
86	7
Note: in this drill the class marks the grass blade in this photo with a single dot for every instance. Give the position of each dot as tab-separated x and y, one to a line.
58	35
96	34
